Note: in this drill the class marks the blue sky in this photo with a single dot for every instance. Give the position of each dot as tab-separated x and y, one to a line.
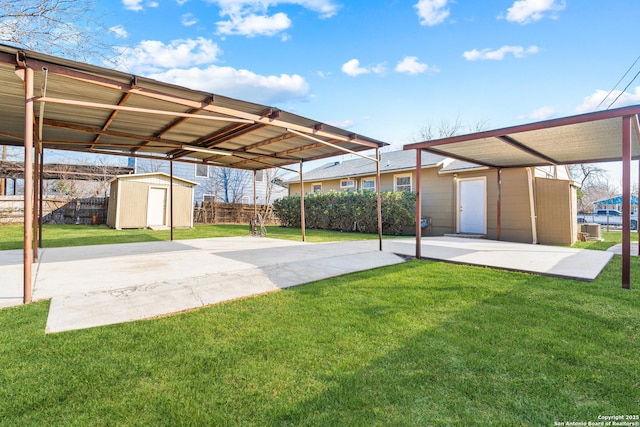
387	68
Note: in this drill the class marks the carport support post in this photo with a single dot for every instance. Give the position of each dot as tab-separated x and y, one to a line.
255	196
171	198
378	198
28	183
499	207
36	193
41	200
626	202
418	203
302	214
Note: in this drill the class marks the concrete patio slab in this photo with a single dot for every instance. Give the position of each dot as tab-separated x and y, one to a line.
100	285
570	263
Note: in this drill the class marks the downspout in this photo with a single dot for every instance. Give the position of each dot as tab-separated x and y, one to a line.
532	207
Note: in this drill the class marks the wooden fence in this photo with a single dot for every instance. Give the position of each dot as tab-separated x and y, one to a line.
231	213
57	210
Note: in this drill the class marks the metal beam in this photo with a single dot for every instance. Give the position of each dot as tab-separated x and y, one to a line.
626	202
418	203
346	150
520	146
28	184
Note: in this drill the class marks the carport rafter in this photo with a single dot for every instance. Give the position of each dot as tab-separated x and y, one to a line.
610	150
522	147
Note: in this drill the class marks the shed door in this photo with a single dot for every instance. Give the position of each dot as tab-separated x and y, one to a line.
472	206
156	206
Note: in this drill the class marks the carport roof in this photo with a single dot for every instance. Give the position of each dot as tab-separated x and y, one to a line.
86	108
587	138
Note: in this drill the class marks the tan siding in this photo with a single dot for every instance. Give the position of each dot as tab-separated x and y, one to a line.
133	204
112	211
515	218
182	206
438	201
554	212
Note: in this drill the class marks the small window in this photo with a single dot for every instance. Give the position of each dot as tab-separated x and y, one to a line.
245	200
316	188
202	171
260	176
369	184
347	183
402	182
208	198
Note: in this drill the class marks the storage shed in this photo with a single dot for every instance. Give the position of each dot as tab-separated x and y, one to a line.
144	200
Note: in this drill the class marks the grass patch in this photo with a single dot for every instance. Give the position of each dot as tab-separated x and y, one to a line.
422	343
610	238
54	236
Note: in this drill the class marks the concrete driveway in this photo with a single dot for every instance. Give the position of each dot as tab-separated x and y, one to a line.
100	285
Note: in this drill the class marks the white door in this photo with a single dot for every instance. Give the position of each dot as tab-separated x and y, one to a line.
156	206
472	206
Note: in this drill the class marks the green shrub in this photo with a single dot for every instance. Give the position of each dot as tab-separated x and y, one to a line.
349	211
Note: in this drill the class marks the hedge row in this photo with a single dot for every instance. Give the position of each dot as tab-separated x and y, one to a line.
349	211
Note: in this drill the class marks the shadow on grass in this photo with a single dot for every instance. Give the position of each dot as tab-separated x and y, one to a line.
524	354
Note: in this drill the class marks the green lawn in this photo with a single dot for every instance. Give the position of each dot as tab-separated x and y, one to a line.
423	343
11	236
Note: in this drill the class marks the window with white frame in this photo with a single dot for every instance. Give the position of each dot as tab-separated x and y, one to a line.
260	175
316	187
402	182
347	183
202	171
208	198
368	184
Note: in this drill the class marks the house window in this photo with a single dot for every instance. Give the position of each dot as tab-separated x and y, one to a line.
260	176
208	198
202	171
368	184
245	200
347	183
402	182
316	187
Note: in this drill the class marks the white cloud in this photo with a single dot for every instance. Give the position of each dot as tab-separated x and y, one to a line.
241	84
342	124
251	18
410	65
181	2
252	25
189	63
624	99
188	19
527	11
134	5
499	54
432	12
119	31
154	55
353	68
541	113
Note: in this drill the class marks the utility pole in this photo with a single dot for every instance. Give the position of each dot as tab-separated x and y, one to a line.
3	180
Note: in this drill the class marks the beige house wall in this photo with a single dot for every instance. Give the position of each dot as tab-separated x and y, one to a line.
556	212
553	201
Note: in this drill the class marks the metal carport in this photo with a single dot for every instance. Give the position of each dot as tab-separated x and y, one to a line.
603	136
85	108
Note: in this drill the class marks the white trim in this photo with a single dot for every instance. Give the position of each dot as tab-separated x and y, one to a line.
347	180
484	206
403	175
195	171
313	184
363	180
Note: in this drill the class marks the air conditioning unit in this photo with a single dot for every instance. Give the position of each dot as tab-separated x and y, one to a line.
591	231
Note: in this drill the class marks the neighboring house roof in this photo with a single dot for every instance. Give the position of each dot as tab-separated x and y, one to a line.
616	201
460	166
145	175
392	161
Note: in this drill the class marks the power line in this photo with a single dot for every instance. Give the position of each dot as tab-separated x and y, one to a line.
624	90
616	85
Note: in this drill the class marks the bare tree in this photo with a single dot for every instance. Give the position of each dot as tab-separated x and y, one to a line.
63	27
595	184
447	128
232	183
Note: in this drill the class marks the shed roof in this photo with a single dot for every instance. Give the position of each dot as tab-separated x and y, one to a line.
392	161
86	108
133	177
